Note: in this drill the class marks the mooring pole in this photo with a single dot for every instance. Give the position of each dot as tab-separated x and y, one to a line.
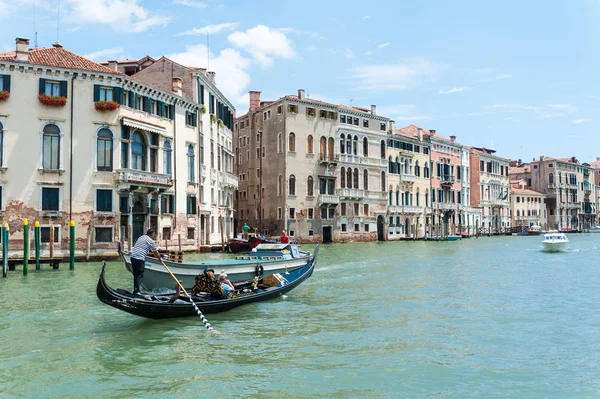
4	249
36	239
25	246
72	246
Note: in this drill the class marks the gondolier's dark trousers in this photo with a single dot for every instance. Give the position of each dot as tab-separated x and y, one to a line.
137	266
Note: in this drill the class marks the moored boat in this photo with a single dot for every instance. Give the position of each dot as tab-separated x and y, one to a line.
555	242
534	230
237	245
454	238
594	229
264	260
161	307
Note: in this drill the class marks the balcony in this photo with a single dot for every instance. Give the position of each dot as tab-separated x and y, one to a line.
352	193
405	209
551	186
408	178
349	158
447	180
204	208
445	206
143	178
328	199
328	159
573	205
378	162
228	180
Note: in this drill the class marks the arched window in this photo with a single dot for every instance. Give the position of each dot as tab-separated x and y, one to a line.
292	143
390	197
309	144
407	200
279	143
355	178
349	177
342	143
417	197
167	161
417	170
330	145
366	180
382	149
355	146
426	198
138	151
104	149
348	144
426	170
51	147
365	147
406	168
390	165
343	177
191	163
518	213
1	144
551	178
309	186
323	148
383	179
279	185
292	185
398	197
398	166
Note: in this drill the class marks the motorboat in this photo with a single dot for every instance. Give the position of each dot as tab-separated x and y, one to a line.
454	237
263	260
534	230
555	242
594	229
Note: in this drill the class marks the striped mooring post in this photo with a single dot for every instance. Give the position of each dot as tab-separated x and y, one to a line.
72	246
25	246
4	249
36	238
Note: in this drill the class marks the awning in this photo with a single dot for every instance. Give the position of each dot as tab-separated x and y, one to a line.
144	126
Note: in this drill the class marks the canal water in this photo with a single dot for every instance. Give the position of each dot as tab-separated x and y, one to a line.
478	318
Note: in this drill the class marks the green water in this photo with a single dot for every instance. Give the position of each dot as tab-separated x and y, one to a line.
478	318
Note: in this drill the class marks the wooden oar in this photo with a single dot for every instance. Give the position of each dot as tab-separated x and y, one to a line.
206	323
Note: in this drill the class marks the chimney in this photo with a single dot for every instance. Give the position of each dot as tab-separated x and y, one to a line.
374	109
22	50
453	138
541	158
56	44
112	65
520	163
300	94
254	100
211	77
512	163
432	131
420	134
177	86
392	126
597	158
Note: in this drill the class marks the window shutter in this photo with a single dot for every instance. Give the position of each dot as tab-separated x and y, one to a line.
189	205
42	86
172	204
195	118
118	97
6	82
96	93
63	88
171	111
163	204
193	205
131	99
187	114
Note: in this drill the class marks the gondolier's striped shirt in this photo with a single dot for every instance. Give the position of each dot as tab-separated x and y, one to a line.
141	247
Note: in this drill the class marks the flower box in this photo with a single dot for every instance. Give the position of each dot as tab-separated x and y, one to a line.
104	106
52	101
4	95
220	123
213	118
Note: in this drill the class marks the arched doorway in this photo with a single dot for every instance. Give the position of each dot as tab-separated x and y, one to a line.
380	228
139	218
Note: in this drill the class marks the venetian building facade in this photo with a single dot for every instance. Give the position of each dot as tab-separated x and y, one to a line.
470	216
491	189
312	168
528	207
409	183
109	152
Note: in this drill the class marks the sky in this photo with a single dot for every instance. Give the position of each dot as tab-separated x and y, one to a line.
520	77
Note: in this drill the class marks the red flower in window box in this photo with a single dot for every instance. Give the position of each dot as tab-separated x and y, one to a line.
52	101
104	106
4	95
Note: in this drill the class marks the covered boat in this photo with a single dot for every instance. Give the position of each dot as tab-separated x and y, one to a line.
162	307
264	260
237	245
555	242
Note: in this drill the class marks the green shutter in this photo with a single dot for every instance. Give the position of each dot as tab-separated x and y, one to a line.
188	205
96	93
172	204
63	88
131	99
118	95
42	86
193	205
6	82
171	111
163	204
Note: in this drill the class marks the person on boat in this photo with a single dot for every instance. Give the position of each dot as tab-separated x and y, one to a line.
228	288
206	282
138	257
245	229
285	239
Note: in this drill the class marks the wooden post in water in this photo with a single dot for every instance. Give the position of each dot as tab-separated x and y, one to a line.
222	238
179	241
72	245
25	246
36	239
4	249
51	241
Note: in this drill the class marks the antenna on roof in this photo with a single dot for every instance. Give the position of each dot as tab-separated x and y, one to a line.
351	101
35	43
57	21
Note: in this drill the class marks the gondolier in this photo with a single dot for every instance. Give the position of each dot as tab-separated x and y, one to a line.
138	257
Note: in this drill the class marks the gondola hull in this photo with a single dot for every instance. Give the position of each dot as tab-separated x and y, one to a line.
157	307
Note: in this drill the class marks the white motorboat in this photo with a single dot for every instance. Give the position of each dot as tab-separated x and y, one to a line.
264	260
555	242
594	229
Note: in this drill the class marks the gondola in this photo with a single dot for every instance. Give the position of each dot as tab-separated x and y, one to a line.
158	306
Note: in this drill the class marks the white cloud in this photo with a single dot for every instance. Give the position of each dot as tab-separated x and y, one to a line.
301	32
403	113
369	53
231	69
123	15
580	120
454	90
511	119
3	6
403	75
366	17
548	111
263	44
191	3
210	29
383	45
106	54
348	53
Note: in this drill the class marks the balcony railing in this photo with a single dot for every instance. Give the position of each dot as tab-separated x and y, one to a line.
446	206
447	180
204	207
327	158
352	193
573	205
143	178
408	178
405	209
551	186
328	199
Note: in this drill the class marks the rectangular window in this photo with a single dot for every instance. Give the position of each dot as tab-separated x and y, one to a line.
366	227
343	209
344	226
292	233
280	109
104	200
106	94
191	232
310	233
382	127
52	88
355	121
166	233
322	114
45	234
191	205
50	199
331	115
365	123
425	150
356	209
292	214
168	203
366	209
292	109
331	213
279	214
103	234
356	227
342	118
310	213
311	111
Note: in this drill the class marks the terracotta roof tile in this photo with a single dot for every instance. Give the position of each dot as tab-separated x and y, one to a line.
412	131
59	57
524	191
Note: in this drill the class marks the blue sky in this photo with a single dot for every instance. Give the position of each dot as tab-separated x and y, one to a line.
518	76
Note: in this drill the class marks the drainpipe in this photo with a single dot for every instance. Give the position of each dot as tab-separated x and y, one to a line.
174	169
71	149
260	209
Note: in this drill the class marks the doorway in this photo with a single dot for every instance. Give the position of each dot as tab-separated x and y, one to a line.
380	226
326	234
139	219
